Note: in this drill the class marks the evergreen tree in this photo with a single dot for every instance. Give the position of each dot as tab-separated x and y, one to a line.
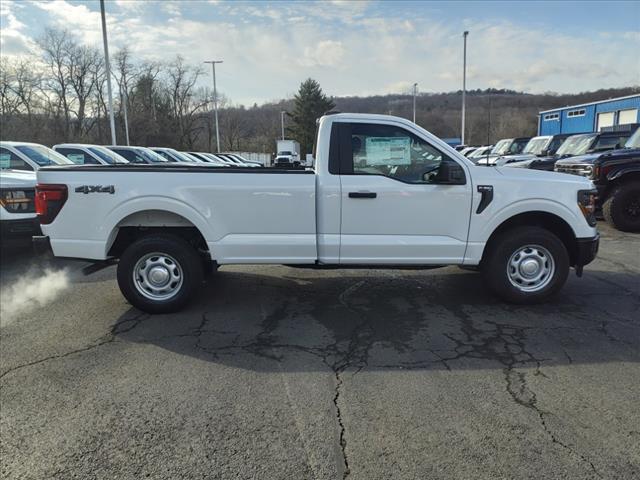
310	103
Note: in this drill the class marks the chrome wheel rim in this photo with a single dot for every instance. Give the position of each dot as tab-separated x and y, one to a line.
530	268
157	276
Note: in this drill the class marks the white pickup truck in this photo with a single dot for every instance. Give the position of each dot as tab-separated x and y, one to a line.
384	193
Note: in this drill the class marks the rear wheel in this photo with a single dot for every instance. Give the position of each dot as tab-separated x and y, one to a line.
622	207
159	273
526	265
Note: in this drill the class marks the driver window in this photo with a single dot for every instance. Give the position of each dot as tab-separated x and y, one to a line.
393	152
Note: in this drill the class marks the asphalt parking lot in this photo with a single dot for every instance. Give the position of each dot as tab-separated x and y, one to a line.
279	373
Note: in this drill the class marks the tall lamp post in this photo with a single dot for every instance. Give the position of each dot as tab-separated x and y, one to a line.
108	71
415	92
215	100
282	122
464	84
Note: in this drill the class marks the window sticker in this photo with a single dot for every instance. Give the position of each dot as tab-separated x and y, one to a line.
388	150
77	158
5	160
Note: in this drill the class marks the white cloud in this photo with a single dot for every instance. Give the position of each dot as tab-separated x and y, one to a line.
327	53
268	48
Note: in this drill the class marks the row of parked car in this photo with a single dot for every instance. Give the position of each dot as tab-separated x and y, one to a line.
611	159
20	160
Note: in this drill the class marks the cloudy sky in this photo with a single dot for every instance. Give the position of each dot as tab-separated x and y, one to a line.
359	47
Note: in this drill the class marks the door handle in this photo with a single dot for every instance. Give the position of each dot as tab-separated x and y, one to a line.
363	194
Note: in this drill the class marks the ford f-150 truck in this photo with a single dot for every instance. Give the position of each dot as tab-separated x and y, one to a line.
384	193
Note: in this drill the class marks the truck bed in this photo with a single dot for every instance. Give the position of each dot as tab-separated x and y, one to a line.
245	215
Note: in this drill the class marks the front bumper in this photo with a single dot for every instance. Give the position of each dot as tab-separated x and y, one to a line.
587	250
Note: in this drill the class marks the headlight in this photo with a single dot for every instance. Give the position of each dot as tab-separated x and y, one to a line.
15	201
587	204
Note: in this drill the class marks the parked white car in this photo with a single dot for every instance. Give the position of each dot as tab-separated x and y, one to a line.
173	155
138	155
29	156
84	154
212	158
384	193
17	207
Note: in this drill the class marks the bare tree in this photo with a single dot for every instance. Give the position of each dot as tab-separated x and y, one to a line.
185	104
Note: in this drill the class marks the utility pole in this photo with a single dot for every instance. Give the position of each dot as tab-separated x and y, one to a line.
108	69
415	92
215	100
282	122
464	83
124	99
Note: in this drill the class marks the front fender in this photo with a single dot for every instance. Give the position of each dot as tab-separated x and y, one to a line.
532	205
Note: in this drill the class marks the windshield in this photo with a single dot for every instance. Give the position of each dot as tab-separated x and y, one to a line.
43	155
284	153
536	145
634	140
502	146
107	155
576	145
182	157
481	152
150	155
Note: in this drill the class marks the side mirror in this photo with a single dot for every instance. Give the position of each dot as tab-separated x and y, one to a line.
450	173
545	152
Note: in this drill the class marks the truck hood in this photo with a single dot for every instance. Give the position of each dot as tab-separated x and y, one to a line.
528	175
17	179
587	158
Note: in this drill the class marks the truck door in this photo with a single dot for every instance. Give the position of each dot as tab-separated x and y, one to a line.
403	200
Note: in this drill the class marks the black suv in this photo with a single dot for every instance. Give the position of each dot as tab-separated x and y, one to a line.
616	175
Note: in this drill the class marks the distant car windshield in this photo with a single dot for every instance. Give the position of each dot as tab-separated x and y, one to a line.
284	153
634	140
481	152
576	145
150	155
502	146
107	155
43	156
536	145
182	157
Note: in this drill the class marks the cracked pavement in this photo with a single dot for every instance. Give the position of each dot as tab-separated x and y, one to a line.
280	373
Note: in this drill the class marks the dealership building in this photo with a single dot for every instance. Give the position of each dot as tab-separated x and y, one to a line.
590	117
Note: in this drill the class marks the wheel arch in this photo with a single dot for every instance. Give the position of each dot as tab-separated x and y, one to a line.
126	225
549	221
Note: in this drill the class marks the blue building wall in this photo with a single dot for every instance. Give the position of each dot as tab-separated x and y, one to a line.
587	122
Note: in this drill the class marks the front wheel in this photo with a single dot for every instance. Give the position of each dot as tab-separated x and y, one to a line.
159	273
526	265
622	207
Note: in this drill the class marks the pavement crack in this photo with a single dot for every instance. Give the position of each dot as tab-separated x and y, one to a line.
53	357
342	438
129	324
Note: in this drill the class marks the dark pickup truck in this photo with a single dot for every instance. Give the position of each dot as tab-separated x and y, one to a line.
616	175
586	143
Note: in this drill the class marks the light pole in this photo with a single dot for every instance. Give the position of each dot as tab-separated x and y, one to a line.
215	100
282	122
108	71
415	92
464	83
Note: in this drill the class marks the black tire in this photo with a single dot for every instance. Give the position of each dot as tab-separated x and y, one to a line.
621	209
503	247
180	257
